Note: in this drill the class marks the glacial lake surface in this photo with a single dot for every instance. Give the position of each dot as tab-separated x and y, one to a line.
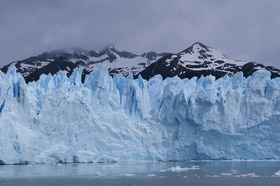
194	173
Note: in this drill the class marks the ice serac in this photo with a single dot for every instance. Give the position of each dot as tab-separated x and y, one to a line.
62	120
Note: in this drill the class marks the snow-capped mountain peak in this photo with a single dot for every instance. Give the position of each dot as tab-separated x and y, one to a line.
197	46
201	60
200	52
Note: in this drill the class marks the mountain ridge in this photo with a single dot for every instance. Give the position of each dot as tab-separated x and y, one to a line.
194	61
201	60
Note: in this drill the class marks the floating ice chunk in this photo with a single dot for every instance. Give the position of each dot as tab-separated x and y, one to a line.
179	169
226	174
277	174
253	175
193	167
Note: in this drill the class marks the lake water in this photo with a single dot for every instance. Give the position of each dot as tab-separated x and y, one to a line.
255	173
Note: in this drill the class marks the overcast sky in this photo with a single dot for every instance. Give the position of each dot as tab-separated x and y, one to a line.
241	29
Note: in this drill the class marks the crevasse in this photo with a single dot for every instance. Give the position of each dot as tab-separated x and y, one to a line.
105	119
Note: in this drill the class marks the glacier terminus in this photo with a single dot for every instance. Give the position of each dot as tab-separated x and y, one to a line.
59	119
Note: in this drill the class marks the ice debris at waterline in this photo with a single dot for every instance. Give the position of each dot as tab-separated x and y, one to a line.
105	119
179	169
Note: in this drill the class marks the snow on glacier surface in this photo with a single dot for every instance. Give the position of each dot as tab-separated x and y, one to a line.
105	119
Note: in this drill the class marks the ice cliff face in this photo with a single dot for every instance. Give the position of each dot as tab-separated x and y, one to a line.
59	119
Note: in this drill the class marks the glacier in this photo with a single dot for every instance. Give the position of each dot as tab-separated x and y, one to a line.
106	119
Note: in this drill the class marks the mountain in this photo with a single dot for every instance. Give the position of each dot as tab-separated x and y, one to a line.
119	62
196	61
201	60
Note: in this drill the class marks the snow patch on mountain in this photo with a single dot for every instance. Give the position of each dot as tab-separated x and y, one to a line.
200	57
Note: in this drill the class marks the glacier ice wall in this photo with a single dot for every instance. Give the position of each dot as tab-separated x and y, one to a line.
61	119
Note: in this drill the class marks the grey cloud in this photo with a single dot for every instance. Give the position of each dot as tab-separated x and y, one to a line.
242	29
